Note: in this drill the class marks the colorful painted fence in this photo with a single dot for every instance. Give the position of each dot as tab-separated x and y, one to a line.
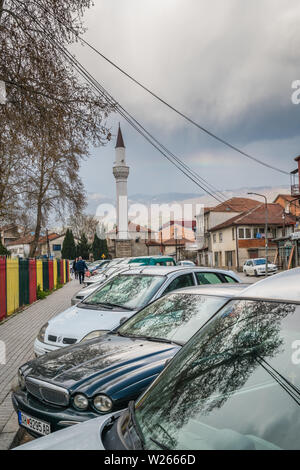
20	279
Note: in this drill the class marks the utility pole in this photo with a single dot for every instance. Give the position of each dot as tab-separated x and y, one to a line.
266	228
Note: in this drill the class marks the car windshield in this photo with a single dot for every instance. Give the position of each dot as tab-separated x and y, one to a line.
259	262
174	318
235	385
128	291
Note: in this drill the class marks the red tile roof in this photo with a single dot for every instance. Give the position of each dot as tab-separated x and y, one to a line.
257	216
235	204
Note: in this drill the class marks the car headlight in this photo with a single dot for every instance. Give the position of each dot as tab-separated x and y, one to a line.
41	335
103	403
21	380
81	402
94	334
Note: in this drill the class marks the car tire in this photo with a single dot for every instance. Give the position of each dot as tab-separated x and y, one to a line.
246	274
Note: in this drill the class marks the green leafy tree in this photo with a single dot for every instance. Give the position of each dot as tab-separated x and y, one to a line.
99	248
83	247
3	250
69	248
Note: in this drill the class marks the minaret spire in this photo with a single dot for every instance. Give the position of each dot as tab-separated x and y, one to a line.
120	141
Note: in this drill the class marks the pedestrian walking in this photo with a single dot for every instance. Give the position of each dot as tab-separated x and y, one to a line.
81	267
74	270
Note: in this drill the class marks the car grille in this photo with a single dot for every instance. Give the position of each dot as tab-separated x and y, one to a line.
69	340
52	338
47	392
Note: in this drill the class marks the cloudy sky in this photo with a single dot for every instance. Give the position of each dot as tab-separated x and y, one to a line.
227	64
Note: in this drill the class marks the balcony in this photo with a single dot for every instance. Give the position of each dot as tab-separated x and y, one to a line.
295	190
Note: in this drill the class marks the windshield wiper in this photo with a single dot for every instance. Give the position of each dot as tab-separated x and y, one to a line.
97	305
131	409
161	340
109	304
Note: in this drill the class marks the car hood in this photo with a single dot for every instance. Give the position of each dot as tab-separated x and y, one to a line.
76	322
108	364
83	436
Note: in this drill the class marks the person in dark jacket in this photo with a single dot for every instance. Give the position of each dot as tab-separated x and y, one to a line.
81	267
74	268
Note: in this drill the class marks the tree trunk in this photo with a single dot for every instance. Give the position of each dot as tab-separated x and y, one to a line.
37	232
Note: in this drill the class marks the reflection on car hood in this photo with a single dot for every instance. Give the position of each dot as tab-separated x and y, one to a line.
110	364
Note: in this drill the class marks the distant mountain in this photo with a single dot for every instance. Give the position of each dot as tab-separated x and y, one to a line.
95	199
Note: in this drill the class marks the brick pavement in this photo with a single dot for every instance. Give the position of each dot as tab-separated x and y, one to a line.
18	334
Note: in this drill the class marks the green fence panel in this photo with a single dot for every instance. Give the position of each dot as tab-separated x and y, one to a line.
45	275
23	282
58	272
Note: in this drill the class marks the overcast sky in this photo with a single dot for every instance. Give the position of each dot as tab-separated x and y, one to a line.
227	64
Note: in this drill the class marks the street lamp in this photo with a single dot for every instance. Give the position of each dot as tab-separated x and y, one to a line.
266	226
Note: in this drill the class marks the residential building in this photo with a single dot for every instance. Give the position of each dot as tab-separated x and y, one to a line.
243	236
214	216
290	204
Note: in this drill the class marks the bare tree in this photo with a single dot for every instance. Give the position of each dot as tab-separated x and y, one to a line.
51	117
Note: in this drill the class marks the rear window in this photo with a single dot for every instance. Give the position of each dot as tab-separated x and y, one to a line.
208	278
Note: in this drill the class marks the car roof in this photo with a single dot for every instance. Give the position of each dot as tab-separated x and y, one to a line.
284	286
223	290
168	270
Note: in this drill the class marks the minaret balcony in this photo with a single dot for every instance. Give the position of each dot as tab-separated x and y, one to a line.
121	172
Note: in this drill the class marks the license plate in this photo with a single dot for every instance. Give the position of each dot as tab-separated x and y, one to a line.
36	425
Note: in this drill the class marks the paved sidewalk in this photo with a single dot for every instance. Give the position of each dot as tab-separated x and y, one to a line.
18	334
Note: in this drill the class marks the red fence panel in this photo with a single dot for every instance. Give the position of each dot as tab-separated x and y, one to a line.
51	279
32	281
2	288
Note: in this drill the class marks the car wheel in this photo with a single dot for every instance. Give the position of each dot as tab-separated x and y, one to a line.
245	272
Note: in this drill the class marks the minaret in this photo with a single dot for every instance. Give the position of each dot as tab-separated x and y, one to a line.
121	172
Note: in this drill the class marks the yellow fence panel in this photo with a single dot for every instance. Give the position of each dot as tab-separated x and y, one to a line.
55	273
64	261
39	273
12	285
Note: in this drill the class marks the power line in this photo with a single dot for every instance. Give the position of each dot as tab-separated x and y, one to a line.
180	113
100	89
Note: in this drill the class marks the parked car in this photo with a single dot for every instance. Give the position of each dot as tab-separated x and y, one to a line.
185	262
235	385
100	376
98	266
93	283
118	299
257	267
154	260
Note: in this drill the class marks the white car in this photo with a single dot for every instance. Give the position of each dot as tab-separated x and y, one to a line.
186	262
257	267
118	299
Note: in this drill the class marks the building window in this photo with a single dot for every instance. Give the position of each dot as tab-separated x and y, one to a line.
241	233
248	233
220	237
56	247
214	238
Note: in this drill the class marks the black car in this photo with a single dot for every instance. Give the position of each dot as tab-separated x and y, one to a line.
102	375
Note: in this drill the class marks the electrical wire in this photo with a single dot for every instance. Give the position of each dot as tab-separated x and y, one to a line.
145	88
